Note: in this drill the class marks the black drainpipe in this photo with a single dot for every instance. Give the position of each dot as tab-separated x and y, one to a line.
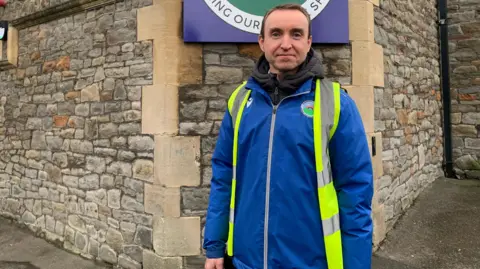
445	76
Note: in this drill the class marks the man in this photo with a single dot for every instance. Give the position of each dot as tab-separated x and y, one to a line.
292	180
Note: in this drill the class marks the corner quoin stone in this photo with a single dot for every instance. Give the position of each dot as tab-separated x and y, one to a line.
161	201
367	64
160	109
177	161
361	20
364	99
377	161
176	236
174	62
379	224
153	261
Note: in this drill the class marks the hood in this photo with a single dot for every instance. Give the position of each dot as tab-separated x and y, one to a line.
311	68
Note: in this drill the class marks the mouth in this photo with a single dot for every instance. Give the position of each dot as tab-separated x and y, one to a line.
285	56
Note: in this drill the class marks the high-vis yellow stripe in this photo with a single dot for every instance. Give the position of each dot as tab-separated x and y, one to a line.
327	195
336	101
328	201
232	198
238	118
230	223
317	127
334	253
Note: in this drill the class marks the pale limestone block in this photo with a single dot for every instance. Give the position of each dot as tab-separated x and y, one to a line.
361	21
364	99
177	161
367	64
176	236
160	109
153	261
161	201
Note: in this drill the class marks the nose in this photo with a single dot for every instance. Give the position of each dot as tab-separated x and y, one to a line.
286	42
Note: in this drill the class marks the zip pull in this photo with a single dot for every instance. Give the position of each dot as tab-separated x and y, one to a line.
275	96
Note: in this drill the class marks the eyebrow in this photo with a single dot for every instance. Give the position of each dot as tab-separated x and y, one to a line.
293	30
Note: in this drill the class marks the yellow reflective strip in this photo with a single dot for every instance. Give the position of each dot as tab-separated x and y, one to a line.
331	225
336	101
333	246
237	125
230	240
232	197
327	197
230	223
317	128
232	98
235	149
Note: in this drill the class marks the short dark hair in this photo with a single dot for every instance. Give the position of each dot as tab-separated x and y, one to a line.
287	7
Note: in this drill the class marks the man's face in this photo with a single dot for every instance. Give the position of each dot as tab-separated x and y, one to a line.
286	41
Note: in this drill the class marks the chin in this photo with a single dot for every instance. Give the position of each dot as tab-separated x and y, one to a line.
286	67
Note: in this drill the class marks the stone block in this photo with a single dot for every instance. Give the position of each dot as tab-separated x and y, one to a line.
375	2
190	67
361	21
159	19
143	170
160	109
162	23
364	98
377	162
379	224
162	201
367	64
153	261
176	236
251	50
12	45
177	161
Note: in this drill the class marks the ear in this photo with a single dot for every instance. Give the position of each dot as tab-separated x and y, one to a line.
260	42
310	41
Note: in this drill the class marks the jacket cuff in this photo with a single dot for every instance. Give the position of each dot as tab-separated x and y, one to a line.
215	253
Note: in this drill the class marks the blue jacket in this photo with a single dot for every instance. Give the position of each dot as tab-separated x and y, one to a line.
295	237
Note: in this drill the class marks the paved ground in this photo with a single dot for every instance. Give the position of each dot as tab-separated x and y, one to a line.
440	231
19	249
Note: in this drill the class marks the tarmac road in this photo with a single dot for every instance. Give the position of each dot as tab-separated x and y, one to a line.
440	231
20	249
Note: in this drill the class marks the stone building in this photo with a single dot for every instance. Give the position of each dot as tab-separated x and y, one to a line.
465	82
108	119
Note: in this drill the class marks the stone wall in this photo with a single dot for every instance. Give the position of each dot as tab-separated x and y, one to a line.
464	46
107	149
408	110
73	160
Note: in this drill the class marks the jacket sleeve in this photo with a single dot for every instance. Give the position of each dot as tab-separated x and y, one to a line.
353	178
216	226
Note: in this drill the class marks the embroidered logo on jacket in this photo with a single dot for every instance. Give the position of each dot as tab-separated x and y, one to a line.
307	108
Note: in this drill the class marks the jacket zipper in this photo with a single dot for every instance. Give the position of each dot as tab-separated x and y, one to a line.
269	168
275	96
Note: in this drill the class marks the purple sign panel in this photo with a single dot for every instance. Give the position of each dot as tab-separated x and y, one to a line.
239	21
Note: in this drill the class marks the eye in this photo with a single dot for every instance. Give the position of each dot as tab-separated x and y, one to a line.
275	34
297	34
